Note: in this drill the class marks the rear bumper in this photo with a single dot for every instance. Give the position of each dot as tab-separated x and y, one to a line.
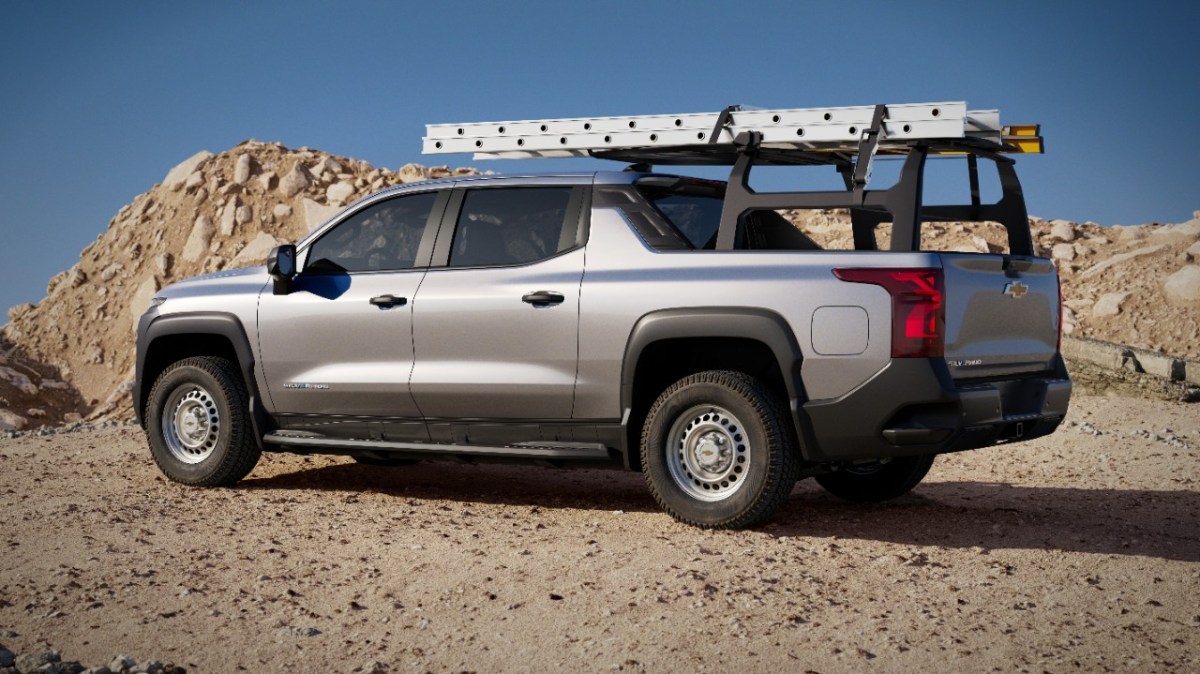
913	406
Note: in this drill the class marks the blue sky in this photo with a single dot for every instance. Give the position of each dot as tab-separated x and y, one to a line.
99	100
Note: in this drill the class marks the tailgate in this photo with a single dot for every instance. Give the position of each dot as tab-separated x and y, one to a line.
1002	314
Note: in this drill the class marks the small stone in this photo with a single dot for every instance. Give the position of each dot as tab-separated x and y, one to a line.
163	264
78	278
110	271
244	214
141	298
1194	250
241	169
150	667
338	193
267	180
32	661
1062	230
281	210
35	412
7	657
1108	305
122	662
297	631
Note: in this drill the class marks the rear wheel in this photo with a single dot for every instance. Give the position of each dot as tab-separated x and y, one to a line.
879	481
716	452
198	423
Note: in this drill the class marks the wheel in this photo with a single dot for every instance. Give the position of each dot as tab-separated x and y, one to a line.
716	452
374	461
879	481
198	423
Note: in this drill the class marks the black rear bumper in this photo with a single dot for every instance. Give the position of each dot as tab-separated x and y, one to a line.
913	406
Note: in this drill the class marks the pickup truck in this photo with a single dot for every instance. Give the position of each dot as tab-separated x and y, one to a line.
631	319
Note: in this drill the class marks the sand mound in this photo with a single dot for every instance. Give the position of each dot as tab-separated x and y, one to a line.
211	212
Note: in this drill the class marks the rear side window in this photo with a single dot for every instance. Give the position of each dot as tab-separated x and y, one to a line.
691	207
381	237
505	226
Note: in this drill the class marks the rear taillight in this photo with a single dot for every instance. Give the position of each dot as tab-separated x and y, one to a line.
918	314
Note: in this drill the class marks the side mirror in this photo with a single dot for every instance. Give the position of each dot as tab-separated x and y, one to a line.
281	265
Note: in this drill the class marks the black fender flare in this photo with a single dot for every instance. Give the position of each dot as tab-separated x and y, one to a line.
761	325
153	325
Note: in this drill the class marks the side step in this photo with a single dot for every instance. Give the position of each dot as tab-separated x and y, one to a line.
563	451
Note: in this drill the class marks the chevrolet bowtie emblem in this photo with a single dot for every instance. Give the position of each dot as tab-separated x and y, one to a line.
1016	289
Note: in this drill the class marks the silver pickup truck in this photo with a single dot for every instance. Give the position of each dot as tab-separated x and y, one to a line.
631	319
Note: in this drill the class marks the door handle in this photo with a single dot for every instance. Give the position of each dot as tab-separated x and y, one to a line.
542	298
389	301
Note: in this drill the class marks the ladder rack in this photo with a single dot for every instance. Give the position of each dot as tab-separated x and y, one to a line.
707	137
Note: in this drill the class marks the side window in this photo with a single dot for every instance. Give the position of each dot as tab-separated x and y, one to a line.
382	237
512	226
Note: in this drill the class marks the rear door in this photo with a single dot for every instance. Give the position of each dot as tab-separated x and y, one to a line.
1001	314
496	326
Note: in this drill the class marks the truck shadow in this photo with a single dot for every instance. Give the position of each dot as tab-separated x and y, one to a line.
986	515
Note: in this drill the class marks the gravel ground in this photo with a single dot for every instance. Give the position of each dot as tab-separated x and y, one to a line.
1077	552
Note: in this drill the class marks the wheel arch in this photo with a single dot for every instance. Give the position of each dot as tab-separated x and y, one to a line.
747	336
169	338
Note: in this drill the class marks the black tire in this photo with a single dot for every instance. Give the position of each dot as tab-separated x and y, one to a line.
738	426
373	461
872	483
219	424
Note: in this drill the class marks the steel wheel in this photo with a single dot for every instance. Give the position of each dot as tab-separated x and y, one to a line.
191	429
711	453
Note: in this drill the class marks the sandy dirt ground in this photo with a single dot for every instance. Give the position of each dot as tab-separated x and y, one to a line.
1077	552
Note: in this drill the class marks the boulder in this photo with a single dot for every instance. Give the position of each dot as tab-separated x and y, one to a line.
339	192
199	239
1062	230
11	421
1109	304
412	173
255	252
141	298
241	169
1183	287
316	214
229	217
196	179
176	176
18	380
294	182
1063	251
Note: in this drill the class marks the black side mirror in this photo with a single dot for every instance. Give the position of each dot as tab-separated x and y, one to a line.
281	265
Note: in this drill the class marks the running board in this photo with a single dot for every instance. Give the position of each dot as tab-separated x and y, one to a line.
565	451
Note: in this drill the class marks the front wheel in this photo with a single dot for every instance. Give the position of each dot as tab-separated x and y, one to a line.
716	451
198	423
879	481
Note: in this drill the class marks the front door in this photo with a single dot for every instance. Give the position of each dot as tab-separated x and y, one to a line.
337	350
